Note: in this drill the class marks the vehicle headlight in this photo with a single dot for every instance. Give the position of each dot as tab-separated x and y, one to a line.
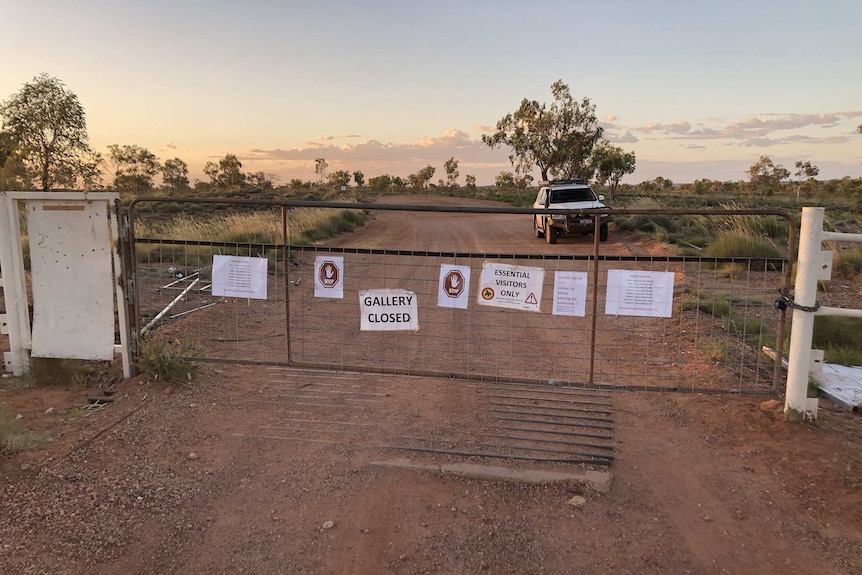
559	218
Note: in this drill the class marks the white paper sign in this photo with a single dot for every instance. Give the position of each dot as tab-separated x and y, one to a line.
514	287
639	293
239	276
570	293
329	276
454	286
388	310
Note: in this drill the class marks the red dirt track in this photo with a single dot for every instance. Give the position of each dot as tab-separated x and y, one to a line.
269	471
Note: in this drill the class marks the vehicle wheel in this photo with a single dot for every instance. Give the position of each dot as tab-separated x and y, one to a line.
603	233
539	232
550	232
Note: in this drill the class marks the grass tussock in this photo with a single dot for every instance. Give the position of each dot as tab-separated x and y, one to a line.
14	438
46	371
847	263
840	338
304	226
167	361
735	244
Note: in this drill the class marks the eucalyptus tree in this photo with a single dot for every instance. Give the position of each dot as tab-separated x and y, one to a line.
611	164
557	139
134	167
50	129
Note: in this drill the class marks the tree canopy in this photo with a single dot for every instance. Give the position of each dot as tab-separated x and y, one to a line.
611	164
557	139
50	128
134	167
175	174
766	175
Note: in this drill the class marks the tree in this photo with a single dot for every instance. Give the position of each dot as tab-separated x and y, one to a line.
470	182
451	167
320	166
611	164
505	180
420	179
230	171
175	174
134	167
260	180
339	178
558	139
211	170
523	181
766	176
380	183
359	178
807	171
50	127
13	172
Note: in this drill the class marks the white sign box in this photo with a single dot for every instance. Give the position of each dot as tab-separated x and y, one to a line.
514	287
329	276
388	310
639	293
238	276
453	289
570	293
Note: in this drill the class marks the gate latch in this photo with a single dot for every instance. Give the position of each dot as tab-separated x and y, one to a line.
785	300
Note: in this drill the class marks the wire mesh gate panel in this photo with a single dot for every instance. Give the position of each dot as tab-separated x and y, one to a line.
722	313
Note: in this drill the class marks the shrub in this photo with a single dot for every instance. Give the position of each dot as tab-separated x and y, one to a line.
53	371
848	263
714	304
738	245
167	361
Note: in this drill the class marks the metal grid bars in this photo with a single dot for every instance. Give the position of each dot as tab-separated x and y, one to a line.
722	314
701	326
176	303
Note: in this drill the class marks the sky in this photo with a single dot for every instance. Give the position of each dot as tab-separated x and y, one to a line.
695	89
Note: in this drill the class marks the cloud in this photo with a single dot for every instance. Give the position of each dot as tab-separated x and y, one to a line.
484	129
681	127
627	138
695	147
171	146
330	138
610	118
402	158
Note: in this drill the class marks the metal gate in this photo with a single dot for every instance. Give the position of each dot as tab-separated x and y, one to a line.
710	340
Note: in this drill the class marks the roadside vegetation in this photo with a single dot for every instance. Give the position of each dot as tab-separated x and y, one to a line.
14	437
167	361
560	139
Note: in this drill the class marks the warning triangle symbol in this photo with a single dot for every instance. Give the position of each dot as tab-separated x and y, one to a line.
531	299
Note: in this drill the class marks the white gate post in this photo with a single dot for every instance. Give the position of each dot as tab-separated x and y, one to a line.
802	327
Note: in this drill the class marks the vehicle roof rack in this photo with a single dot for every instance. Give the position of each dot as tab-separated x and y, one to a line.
559	182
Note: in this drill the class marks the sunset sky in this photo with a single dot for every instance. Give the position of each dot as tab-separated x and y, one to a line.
695	89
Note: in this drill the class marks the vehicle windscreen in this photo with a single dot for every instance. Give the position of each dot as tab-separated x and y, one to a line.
575	195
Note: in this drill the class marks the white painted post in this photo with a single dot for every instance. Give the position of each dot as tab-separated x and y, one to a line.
807	268
17	359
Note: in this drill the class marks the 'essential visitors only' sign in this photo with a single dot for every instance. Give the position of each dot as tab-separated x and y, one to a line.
514	287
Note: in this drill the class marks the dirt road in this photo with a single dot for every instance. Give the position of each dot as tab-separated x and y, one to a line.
269	470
